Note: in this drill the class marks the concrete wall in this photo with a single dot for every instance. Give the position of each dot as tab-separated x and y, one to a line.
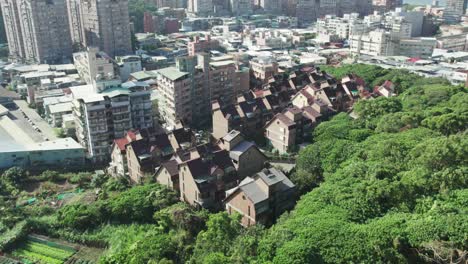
250	162
239	203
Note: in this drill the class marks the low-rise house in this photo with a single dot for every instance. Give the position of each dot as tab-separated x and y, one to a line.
56	112
144	155
288	129
168	174
245	155
263	68
118	165
249	114
354	87
204	180
139	152
181	138
387	89
261	198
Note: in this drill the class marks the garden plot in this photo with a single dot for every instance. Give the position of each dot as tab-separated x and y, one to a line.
35	250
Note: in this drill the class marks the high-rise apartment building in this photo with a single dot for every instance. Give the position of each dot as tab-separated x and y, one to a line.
75	20
105	24
13	29
37	30
200	7
240	7
271	6
306	11
454	10
106	108
386	5
188	89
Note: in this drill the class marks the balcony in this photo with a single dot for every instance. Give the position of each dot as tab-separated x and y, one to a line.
120	104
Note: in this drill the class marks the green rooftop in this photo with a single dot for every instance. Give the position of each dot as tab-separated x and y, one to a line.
115	91
143	75
172	73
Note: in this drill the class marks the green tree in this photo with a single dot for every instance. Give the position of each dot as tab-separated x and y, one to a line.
217	238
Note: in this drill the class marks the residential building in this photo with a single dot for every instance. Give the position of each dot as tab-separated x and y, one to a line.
270	6
332	28
37	30
181	138
456	42
171	3
249	114
204	179
374	43
285	131
205	45
386	5
306	11
168	174
118	166
175	88
188	88
94	65
200	7
76	23
255	108
263	68
106	112
417	47
261	198
148	23
387	89
240	7
128	65
245	155
56	112
146	154
11	20
106	24
454	10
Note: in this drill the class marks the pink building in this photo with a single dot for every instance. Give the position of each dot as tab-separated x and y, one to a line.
198	45
171	25
148	23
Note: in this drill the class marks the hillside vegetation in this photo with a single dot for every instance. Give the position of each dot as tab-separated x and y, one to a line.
387	187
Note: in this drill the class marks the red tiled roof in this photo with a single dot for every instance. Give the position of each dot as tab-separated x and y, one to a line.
387	84
413	59
131	134
121	142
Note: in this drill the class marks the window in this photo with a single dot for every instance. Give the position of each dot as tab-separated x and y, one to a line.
248	210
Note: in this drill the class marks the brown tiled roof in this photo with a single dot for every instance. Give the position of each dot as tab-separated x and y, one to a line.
288	122
172	167
182	135
294	110
310	113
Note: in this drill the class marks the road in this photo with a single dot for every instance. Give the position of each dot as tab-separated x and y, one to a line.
46	130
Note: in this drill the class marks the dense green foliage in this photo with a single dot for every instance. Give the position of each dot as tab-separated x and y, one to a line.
136	9
387	187
394	181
